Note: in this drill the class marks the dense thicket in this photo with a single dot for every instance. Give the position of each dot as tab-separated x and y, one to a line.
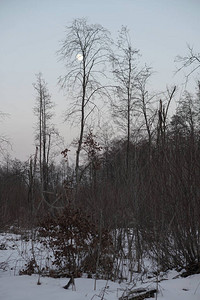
159	198
143	187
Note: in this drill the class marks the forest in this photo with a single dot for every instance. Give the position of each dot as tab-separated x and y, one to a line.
133	189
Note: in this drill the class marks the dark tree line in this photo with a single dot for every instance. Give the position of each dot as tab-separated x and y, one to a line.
160	198
143	186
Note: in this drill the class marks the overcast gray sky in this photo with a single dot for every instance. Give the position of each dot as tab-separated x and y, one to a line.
30	31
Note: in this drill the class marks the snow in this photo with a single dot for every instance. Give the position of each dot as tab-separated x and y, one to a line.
24	287
181	288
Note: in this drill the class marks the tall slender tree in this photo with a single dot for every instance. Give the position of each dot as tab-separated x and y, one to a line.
44	113
4	141
125	70
84	50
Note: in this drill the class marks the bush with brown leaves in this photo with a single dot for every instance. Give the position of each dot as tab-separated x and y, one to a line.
78	245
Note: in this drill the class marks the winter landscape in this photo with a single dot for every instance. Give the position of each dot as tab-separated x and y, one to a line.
99	150
14	254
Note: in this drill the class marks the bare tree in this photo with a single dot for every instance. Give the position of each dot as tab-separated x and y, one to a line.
146	102
43	111
84	50
125	70
190	62
4	141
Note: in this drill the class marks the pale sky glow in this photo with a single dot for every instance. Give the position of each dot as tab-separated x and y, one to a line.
30	35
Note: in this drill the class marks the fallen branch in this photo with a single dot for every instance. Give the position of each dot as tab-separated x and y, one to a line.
70	282
139	294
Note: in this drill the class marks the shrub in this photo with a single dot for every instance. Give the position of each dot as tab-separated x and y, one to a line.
78	245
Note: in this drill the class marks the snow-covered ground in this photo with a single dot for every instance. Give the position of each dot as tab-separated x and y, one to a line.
24	287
